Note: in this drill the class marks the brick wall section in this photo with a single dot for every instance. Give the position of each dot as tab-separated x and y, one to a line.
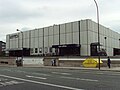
8	60
77	63
47	61
73	63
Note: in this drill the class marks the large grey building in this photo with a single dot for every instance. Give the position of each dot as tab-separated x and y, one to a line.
79	38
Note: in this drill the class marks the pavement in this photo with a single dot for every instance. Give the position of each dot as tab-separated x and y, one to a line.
117	69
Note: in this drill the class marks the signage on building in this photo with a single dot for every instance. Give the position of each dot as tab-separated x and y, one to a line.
13	36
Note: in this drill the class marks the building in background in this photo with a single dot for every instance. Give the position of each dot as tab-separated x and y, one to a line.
2	48
78	38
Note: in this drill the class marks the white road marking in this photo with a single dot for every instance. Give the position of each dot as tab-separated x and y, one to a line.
36	82
9	83
41	74
2	79
92	80
35	77
115	74
61	73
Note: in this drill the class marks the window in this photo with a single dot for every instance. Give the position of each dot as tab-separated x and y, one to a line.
36	50
40	50
46	49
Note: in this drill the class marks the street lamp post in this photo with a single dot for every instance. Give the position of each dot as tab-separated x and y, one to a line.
22	41
105	43
98	32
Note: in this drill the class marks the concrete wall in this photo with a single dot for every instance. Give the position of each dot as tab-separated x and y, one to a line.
77	62
7	60
32	61
48	61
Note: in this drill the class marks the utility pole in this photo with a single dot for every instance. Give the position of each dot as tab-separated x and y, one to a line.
98	32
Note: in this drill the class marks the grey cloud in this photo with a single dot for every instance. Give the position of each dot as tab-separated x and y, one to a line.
25	14
12	12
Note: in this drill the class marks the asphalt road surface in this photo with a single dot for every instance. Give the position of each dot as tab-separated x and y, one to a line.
21	78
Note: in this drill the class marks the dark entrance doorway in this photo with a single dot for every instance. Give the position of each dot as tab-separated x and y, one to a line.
67	49
116	51
18	52
94	50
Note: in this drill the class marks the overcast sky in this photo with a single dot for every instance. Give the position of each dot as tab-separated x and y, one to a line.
31	14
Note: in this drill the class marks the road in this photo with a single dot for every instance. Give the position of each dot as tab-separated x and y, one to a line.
21	78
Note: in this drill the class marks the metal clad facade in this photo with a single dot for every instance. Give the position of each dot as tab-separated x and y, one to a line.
82	32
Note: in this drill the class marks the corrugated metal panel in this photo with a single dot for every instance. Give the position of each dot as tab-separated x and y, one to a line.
90	25
36	33
36	42
46	41
95	27
95	36
56	40
24	42
41	32
109	42
109	52
110	33
83	25
91	38
62	29
107	32
32	33
101	39
69	38
7	37
104	32
10	44
16	41
51	30
7	44
26	34
56	29
20	43
62	39
112	42
117	36
13	43
83	37
101	28
50	41
40	41
20	35
32	42
83	50
46	31
27	43
75	26
76	38
69	28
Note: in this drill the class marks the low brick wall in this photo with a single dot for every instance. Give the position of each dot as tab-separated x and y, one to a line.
47	61
73	63
8	60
